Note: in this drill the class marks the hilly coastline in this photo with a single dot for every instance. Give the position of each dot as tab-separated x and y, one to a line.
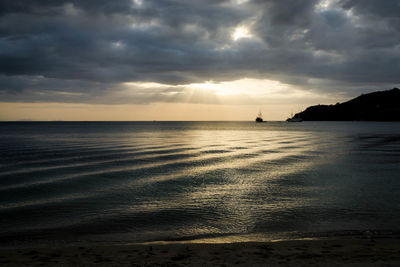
376	106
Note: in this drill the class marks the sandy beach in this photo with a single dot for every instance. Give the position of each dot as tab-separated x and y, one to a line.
321	252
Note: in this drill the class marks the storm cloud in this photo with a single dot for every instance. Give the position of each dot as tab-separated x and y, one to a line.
85	51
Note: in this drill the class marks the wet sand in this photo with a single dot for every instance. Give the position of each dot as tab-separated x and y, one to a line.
321	252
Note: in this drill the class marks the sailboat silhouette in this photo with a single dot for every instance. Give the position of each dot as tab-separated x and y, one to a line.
259	117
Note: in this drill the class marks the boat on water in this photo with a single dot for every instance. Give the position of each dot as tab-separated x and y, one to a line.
294	120
259	117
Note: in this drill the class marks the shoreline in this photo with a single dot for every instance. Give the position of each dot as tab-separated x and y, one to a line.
331	251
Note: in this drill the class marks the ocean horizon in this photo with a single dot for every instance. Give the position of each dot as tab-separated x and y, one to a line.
132	182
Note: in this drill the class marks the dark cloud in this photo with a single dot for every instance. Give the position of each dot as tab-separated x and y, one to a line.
375	8
81	51
287	12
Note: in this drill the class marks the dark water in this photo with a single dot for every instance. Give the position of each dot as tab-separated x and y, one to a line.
135	182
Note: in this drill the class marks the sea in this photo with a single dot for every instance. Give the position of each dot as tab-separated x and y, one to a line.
138	182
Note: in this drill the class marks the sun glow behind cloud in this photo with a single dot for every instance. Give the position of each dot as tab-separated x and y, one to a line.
253	88
241	92
228	100
247	86
241	32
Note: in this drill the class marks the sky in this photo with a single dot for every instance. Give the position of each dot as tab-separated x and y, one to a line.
192	60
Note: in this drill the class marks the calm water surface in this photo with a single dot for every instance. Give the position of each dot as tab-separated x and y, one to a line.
138	182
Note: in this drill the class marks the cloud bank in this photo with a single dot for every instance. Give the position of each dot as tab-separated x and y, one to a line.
86	51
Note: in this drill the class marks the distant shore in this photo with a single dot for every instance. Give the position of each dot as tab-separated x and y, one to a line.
375	106
322	252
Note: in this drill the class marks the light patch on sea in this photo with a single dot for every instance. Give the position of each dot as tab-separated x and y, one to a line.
65	182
